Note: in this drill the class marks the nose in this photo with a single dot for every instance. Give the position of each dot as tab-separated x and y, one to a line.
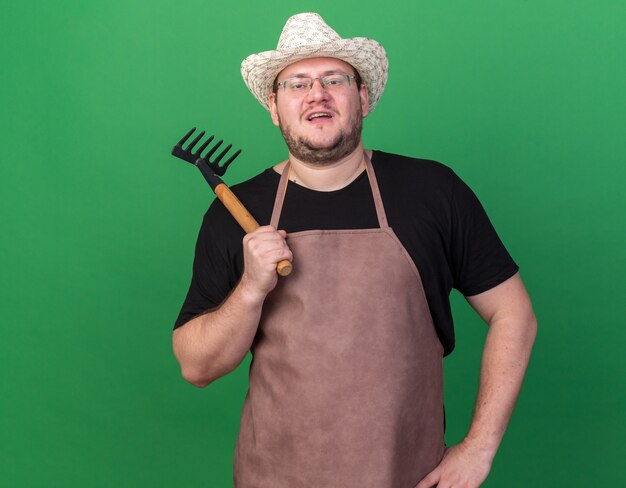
317	91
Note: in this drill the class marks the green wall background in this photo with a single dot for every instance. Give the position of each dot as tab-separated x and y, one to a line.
524	99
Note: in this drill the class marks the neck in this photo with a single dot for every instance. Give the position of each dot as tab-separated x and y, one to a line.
327	177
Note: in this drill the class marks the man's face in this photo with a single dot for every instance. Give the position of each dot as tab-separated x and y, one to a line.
320	126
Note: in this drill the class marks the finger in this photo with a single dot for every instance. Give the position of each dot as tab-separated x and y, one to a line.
263	239
269	250
280	254
430	480
265	228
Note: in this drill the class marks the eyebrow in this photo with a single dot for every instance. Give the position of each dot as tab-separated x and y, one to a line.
325	73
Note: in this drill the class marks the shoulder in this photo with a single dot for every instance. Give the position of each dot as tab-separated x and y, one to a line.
389	164
267	180
406	162
423	178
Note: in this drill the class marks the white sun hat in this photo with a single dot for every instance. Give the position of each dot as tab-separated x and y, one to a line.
306	35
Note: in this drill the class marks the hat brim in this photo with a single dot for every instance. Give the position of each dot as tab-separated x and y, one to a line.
367	56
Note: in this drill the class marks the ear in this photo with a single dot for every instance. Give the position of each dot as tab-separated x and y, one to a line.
365	100
273	108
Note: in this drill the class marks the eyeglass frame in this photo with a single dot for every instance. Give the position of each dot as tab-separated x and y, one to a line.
356	77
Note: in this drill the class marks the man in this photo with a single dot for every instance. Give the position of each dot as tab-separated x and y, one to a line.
346	382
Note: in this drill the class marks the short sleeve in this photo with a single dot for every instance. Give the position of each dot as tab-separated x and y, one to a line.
215	267
479	259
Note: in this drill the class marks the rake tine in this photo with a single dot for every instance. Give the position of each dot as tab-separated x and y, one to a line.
203	147
213	149
194	142
184	139
230	160
221	155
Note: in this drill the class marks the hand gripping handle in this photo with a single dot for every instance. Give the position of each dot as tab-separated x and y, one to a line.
245	220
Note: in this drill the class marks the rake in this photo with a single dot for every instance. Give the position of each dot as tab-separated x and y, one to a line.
212	170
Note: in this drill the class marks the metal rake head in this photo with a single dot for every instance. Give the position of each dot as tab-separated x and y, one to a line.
195	157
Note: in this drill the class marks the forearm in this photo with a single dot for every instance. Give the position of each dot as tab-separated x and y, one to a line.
504	362
213	344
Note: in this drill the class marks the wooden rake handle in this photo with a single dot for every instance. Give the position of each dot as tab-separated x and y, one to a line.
245	220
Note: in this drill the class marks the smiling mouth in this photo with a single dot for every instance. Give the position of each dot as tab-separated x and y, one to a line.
319	115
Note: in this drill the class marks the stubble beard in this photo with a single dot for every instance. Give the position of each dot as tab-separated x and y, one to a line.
343	144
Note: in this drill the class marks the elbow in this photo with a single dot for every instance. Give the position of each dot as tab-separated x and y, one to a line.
203	377
525	326
532	326
201	368
199	379
527	332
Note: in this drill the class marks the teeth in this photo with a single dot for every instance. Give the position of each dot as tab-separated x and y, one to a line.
315	116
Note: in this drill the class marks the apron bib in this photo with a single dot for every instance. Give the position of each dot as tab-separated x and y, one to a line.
346	381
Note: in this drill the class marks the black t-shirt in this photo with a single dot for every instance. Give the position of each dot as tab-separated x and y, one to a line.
436	216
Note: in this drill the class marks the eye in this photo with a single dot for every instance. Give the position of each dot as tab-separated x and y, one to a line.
335	80
297	85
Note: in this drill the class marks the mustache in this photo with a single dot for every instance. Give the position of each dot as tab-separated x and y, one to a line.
319	108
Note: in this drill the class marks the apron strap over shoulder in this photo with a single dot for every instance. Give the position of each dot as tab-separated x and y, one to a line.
280	196
378	201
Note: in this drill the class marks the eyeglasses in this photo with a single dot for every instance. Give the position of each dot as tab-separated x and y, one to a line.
299	85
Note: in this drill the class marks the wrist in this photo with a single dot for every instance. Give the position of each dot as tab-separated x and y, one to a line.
249	293
484	446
